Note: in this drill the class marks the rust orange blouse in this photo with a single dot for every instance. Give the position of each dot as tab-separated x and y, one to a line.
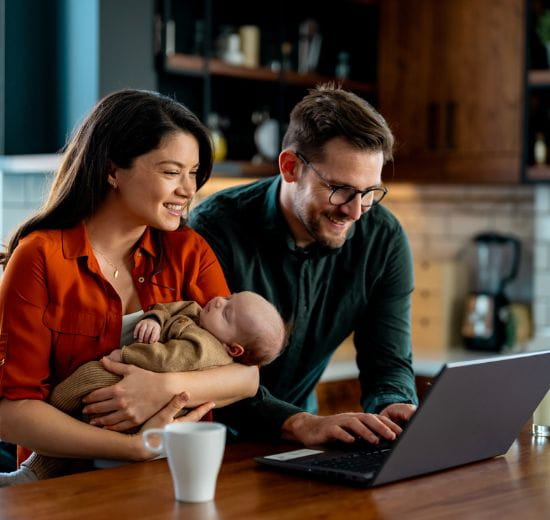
57	311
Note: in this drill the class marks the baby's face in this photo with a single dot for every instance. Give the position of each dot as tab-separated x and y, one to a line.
221	316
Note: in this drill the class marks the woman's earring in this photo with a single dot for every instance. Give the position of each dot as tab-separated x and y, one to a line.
113	183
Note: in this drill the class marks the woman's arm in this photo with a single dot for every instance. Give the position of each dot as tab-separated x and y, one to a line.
142	393
42	428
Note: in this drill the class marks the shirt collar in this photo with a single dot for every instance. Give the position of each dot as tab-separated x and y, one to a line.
77	244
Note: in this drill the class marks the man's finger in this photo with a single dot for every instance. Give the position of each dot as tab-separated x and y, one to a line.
375	424
390	424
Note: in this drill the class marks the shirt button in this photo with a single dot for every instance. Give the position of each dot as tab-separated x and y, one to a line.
141	279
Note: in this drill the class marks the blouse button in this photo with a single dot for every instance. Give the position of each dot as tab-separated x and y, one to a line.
141	279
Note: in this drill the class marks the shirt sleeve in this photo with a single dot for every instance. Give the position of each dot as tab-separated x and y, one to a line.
258	418
24	338
382	336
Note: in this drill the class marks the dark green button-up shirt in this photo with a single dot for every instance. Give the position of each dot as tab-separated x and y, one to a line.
324	294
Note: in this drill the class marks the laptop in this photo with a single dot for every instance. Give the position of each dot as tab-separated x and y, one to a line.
473	411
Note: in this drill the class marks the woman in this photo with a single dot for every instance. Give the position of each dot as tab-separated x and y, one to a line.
108	244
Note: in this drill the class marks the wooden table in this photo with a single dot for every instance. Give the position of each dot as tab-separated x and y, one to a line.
515	486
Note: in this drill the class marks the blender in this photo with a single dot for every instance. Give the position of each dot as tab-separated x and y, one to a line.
487	316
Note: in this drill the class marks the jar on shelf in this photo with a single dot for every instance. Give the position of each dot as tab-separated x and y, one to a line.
218	139
540	150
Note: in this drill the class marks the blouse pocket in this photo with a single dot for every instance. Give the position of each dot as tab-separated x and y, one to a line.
75	337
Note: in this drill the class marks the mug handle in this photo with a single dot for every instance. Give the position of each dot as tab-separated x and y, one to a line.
154	431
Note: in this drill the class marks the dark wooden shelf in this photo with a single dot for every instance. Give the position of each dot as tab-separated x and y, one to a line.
312	79
539	78
196	66
538	173
187	64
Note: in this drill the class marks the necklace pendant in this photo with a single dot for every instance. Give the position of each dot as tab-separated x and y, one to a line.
115	274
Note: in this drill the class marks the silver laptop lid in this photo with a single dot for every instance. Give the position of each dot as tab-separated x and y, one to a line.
474	411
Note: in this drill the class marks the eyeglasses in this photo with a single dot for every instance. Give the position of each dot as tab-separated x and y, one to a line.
340	195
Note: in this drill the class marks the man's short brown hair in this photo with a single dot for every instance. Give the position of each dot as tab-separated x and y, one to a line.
328	112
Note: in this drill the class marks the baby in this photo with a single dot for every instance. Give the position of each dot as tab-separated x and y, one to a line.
172	337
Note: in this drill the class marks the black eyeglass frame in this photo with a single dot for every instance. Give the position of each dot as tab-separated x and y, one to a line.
335	187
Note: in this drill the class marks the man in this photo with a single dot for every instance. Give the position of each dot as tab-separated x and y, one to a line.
315	242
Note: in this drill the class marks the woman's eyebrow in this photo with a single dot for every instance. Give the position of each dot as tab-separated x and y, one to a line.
168	161
176	163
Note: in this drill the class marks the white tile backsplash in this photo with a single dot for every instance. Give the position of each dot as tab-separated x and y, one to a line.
542	257
23	193
36	187
541	300
14	188
13	217
542	199
541	282
441	221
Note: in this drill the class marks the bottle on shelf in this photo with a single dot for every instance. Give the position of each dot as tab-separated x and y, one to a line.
341	70
250	45
233	54
218	139
286	56
540	150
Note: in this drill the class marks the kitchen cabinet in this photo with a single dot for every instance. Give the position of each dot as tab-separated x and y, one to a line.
450	81
192	65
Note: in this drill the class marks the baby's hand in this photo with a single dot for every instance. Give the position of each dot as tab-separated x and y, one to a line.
147	331
116	355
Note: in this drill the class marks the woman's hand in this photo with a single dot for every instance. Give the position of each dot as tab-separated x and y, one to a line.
135	398
166	416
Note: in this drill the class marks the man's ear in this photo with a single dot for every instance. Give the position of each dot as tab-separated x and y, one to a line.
235	350
289	165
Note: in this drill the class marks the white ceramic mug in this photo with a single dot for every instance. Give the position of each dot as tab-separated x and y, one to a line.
194	451
541	418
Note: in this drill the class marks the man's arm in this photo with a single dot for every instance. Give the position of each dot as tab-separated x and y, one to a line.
264	417
382	336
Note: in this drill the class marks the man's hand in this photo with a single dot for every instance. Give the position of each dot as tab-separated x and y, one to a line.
347	427
147	331
399	412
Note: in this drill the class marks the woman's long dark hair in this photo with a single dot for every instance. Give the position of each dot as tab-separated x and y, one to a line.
121	127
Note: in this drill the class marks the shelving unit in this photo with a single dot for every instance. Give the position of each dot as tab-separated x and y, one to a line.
187	64
189	67
537	95
538	78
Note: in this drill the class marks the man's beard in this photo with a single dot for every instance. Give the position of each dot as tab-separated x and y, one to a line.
314	227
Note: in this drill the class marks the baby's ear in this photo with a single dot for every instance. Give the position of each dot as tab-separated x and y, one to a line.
234	349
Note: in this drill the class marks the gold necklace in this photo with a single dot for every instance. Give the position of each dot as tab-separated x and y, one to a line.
115	273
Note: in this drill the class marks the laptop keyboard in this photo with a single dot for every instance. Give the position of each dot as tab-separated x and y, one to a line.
360	461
